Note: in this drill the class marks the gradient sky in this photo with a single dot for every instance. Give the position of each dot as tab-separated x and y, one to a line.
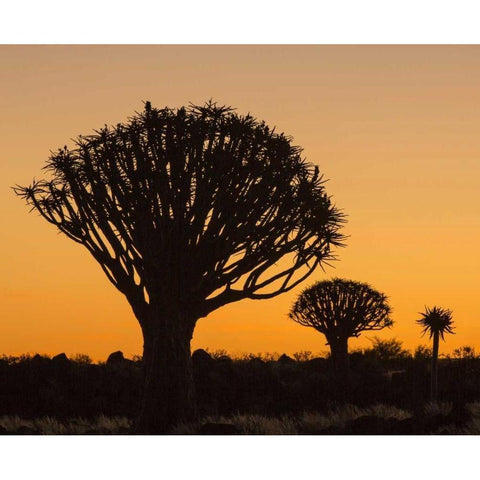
396	129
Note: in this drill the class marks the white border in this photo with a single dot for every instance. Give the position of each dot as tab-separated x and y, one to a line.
248	21
237	458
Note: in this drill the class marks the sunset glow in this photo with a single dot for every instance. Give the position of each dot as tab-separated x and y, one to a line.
395	129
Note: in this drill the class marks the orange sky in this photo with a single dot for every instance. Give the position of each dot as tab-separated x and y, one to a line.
396	129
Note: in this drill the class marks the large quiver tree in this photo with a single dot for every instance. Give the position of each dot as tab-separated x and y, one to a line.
341	309
185	211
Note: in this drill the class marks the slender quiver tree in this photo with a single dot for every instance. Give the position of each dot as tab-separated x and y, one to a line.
185	211
436	321
341	309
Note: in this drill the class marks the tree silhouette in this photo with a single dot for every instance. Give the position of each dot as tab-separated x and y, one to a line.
341	309
188	210
436	322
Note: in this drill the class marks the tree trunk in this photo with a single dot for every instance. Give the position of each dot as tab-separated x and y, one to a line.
169	392
341	367
434	369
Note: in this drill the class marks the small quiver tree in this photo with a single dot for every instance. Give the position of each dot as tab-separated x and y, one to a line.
341	309
436	322
186	211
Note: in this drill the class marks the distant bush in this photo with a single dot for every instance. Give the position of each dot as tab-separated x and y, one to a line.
217	353
387	350
422	352
303	356
81	359
464	352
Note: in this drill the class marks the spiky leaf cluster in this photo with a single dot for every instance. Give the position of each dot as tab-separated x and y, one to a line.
436	320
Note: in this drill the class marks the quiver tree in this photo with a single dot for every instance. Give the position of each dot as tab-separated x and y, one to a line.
436	322
185	211
341	309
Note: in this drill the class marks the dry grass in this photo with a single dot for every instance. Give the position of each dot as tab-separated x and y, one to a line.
308	422
246	424
437	408
313	422
74	426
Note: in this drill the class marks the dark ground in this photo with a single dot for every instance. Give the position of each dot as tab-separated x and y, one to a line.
37	386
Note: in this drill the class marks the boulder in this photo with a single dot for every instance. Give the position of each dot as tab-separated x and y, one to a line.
38	359
39	363
61	358
116	359
285	359
201	359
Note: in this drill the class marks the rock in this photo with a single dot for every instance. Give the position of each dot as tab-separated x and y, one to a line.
38	359
39	364
61	359
257	363
218	429
116	359
61	363
202	359
284	358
